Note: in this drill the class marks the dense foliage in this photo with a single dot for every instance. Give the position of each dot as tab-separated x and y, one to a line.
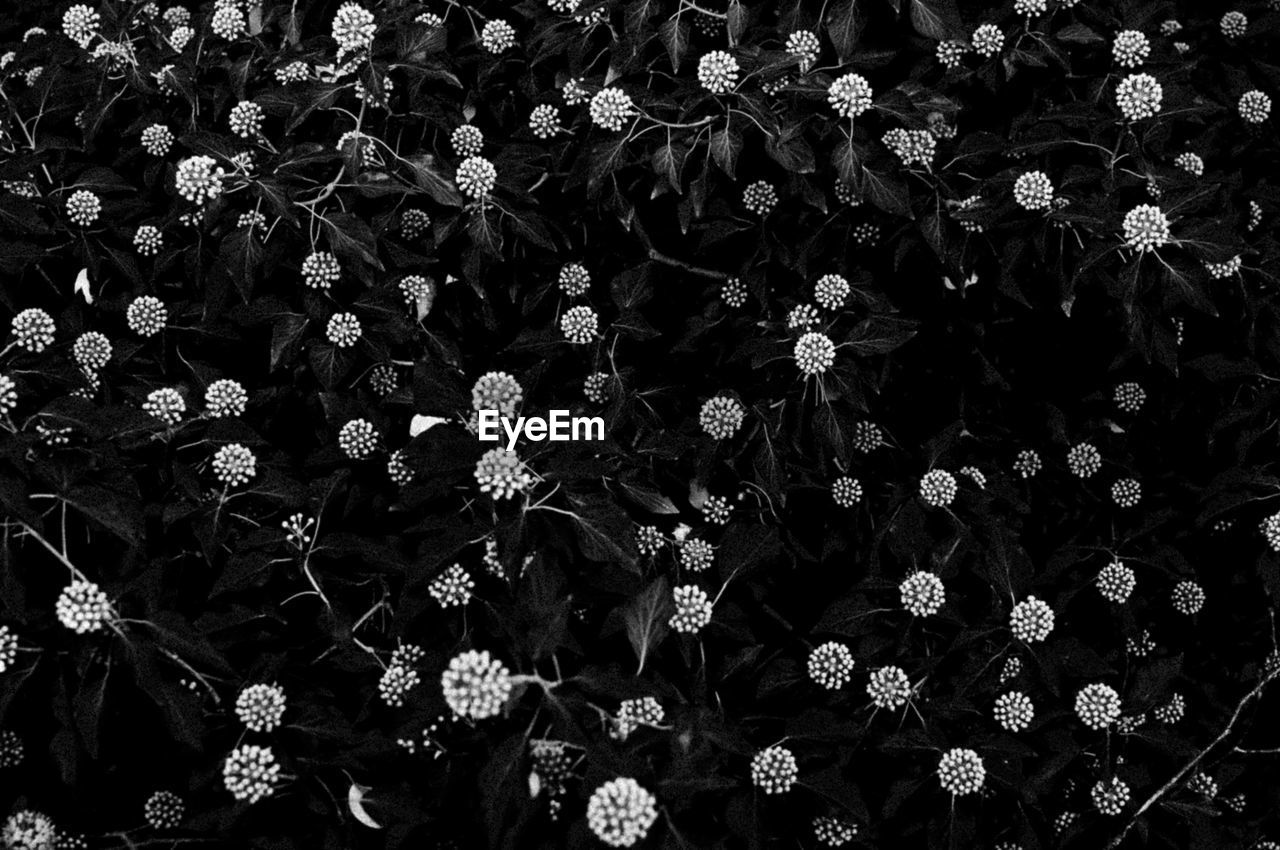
939	358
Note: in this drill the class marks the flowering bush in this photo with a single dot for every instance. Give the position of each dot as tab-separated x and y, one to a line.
936	347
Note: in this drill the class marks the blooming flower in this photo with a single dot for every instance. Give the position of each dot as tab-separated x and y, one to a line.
250	772
621	812
476	685
610	108
1139	96
502	474
693	609
850	95
1098	705
831	665
260	707
774	770
922	593
961	771
718	72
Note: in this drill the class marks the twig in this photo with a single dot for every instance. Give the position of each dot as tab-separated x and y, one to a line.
54	551
1177	778
659	257
1274	751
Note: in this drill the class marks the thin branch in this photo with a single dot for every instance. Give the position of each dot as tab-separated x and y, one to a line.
659	257
1182	774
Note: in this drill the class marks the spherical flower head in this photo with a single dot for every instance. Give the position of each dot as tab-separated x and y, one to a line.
598	387
91	350
234	464
1084	460
1116	582
497	36
1270	528
621	812
574	280
476	177
913	147
396	683
199	179
497	391
579	324
1190	162
418	292
164	810
574	92
1126	492
398	470
83	207
1014	711
718	72
33	330
961	771
1188	597
610	108
146	315
358	439
165	404
80	23
343	330
1030	8
1027	464
634	713
467	140
1146	228
938	488
716	509
987	40
8	395
804	46
353	28
831	665
1110	796
1170	27
476	685
1031	620
803	317
502	474
1204	785
846	491
693	609
250	772
414	224
1129	396
649	540
696	555
1233	24
760	197
1139	96
147	240
850	95
922	593
951	53
1130	48
1172	711
452	588
228	21
774	770
294	72
82	607
544	121
831	291
157	139
1098	705
28	830
224	398
721	417
260	707
246	119
320	270
1254	106
814	353
1033	191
